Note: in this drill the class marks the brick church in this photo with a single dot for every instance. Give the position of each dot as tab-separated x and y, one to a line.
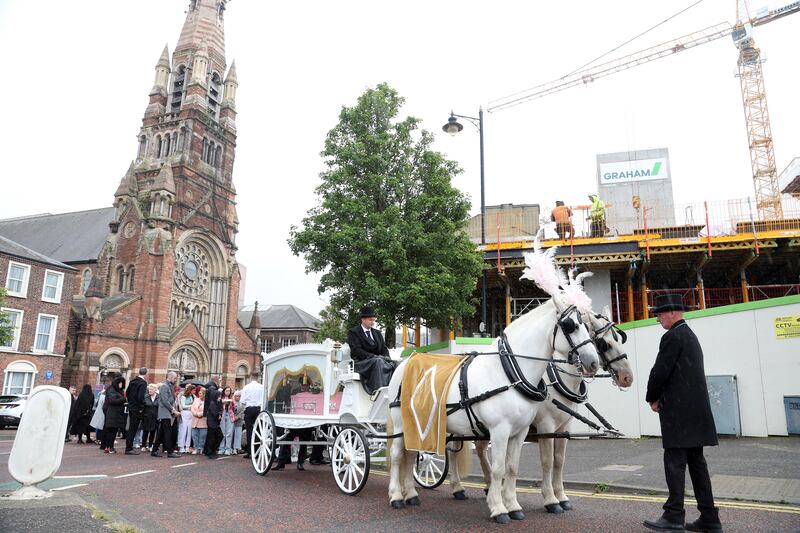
163	290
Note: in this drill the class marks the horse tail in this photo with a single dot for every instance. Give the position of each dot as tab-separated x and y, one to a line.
389	431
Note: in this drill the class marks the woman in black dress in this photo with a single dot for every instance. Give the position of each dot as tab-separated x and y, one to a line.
83	414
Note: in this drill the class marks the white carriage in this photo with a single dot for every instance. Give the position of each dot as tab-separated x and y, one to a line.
315	386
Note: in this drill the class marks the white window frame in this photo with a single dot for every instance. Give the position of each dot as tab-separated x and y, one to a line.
52	340
17	329
289	340
11	370
24	292
264	340
59	286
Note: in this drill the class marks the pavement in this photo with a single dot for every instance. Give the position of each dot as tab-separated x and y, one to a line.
763	470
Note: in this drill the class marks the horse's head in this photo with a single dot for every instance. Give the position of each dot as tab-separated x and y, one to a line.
609	340
571	336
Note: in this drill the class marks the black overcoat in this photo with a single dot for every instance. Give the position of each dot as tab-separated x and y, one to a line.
115	405
150	414
371	358
678	380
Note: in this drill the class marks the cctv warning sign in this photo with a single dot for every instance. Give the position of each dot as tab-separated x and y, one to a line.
787	327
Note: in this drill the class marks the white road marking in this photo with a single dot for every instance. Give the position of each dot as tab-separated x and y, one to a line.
184	464
72	486
134	474
78	477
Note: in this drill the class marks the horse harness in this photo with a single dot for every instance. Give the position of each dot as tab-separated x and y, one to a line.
603	347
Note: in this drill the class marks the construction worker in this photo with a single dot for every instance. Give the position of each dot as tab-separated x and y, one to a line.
597	216
562	216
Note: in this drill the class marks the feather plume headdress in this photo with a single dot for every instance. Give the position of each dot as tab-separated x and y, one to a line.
541	268
575	294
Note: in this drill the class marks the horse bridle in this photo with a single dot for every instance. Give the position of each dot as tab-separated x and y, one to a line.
603	347
569	326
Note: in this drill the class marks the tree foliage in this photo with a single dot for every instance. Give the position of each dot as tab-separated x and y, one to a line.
333	325
389	227
6	329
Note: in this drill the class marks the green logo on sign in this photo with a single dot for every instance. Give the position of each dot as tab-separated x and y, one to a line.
656	168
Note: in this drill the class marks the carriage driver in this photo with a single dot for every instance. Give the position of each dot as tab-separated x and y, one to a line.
369	352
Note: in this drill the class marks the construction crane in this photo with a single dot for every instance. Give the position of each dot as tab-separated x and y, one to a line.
759	133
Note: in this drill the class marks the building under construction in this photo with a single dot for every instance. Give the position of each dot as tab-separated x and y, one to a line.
714	253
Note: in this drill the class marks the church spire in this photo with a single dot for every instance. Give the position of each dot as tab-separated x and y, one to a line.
162	74
204	22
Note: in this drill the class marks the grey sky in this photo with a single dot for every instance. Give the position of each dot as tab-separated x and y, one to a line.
78	74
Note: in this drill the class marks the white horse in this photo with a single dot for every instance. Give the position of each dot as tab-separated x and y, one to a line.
550	419
553	326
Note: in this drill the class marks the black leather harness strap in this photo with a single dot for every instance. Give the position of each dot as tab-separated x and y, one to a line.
554	376
466	402
514	373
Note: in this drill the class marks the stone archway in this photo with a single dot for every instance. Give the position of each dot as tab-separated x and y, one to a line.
190	362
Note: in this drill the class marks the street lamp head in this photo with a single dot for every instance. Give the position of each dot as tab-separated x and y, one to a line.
453	126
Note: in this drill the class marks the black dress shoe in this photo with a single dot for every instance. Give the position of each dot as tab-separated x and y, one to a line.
318	462
662	524
701	525
246	456
173	455
155	454
300	466
279	466
131	452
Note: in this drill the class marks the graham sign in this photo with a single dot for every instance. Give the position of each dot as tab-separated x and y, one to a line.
639	170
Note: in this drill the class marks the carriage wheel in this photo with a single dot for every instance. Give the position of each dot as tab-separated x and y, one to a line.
333	432
262	445
350	460
430	469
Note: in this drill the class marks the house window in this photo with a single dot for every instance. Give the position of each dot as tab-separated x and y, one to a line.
288	341
53	281
45	333
19	378
12	318
266	345
17	279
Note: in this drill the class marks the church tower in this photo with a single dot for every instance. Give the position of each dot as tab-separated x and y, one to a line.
170	279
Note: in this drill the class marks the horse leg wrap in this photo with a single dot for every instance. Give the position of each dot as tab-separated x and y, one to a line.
460	495
554	508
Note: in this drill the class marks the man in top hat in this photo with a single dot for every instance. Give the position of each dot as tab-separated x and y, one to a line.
677	391
369	351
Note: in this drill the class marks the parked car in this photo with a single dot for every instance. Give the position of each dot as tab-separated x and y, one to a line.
11	410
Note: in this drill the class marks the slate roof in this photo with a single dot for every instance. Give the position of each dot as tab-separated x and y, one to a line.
280	317
74	237
9	247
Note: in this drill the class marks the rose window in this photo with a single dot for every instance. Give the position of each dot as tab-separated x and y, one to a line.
191	269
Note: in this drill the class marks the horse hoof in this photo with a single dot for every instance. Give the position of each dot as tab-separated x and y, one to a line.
516	515
413	501
554	508
502	518
486	492
398	504
460	495
566	505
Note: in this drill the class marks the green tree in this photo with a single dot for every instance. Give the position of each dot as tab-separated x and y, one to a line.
333	325
6	329
389	227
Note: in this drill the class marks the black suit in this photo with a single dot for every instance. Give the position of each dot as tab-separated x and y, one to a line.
371	358
678	381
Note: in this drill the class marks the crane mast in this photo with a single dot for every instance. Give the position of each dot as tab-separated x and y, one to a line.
754	98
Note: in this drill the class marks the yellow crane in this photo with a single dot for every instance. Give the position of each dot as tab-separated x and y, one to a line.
754	98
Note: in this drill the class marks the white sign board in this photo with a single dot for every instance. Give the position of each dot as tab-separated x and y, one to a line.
639	170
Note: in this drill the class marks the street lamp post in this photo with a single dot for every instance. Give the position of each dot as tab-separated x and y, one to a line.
452	127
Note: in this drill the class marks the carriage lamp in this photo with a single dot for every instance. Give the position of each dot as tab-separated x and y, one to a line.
452	127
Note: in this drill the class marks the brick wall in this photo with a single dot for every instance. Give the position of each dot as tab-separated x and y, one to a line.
31	306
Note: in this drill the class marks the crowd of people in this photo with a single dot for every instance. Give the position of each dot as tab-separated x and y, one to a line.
177	418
